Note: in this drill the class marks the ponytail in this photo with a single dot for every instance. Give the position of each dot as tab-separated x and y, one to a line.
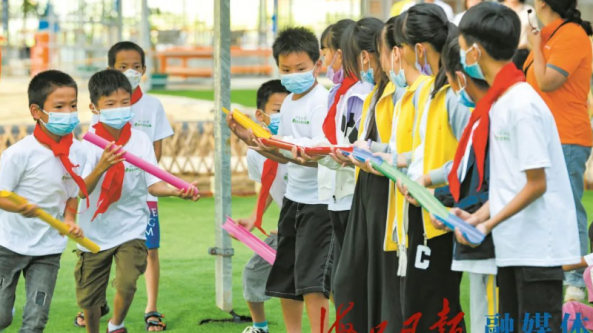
441	77
567	9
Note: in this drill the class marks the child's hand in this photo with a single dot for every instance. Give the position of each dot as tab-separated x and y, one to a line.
110	157
402	161
262	147
387	158
247	223
75	229
339	157
28	210
191	193
361	144
437	224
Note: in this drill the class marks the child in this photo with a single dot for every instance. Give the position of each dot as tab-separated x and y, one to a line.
150	118
530	211
439	125
305	239
44	168
118	215
366	273
468	190
269	100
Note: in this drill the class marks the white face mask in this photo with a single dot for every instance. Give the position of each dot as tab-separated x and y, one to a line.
134	77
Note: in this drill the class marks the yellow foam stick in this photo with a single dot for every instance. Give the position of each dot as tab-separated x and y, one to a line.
63	228
246	122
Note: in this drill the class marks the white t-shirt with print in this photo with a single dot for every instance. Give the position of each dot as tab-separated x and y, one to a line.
300	122
150	118
523	136
31	170
255	167
126	219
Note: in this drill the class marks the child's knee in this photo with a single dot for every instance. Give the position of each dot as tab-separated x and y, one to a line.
126	285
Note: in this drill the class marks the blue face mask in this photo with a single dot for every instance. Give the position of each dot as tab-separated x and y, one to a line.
274	123
369	75
298	83
61	123
424	70
400	79
463	97
474	70
116	118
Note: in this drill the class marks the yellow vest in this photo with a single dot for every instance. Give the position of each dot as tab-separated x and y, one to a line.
440	144
383	114
405	112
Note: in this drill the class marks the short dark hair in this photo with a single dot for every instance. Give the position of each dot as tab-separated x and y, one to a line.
124	46
452	62
296	40
45	83
106	82
495	27
268	89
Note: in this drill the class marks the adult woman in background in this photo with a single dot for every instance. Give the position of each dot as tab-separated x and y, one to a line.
559	68
468	4
522	10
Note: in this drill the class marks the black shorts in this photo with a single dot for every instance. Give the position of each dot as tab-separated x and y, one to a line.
303	262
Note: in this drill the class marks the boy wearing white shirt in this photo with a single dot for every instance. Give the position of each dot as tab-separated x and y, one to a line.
118	215
530	211
43	168
303	263
150	118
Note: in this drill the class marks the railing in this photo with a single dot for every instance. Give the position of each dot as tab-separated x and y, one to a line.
189	153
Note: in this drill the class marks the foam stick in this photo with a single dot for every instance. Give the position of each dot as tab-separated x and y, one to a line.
278	144
44	216
142	164
426	199
249	239
324	150
246	122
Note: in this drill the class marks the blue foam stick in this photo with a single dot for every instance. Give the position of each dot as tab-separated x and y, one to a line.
470	233
364	155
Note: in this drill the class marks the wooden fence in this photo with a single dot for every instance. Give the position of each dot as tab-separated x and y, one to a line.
189	153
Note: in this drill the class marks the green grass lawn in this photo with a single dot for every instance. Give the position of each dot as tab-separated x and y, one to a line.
244	97
187	293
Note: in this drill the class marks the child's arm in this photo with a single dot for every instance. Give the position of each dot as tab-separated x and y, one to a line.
158	149
70	217
161	189
249	223
582	264
109	158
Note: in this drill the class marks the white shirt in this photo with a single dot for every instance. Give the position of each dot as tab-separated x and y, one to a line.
126	219
523	136
448	10
150	118
31	170
301	121
255	167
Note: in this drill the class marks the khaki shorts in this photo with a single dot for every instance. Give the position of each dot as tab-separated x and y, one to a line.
92	272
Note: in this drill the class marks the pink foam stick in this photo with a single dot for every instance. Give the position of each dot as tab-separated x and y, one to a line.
249	239
142	164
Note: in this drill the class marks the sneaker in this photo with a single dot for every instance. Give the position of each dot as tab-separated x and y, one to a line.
252	329
574	294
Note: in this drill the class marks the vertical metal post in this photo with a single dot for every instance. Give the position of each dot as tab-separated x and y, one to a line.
263	23
222	157
364	8
5	22
387	9
146	44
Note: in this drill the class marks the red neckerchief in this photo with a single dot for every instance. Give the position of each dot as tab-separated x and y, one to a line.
329	124
267	179
137	95
62	151
508	76
114	177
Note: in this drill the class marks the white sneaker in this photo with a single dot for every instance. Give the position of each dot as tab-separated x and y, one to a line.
252	329
574	294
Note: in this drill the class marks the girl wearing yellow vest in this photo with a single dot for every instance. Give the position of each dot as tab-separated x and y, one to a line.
429	279
365	275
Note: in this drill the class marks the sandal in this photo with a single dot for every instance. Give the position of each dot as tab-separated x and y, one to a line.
119	330
80	315
154	323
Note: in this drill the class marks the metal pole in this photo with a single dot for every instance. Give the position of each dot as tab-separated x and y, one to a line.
146	44
364	8
120	25
263	27
222	157
387	9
